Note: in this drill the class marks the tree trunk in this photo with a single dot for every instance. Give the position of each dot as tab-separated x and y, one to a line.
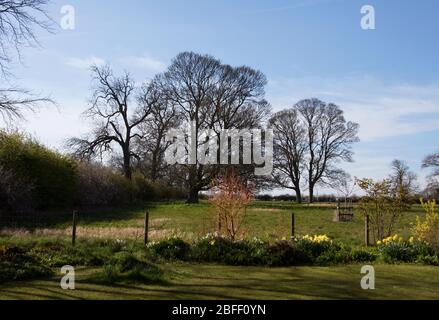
127	165
298	196
193	196
311	193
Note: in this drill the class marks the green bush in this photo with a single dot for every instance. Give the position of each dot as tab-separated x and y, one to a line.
312	249
363	255
171	249
432	260
394	252
222	250
100	186
52	175
16	265
284	253
126	267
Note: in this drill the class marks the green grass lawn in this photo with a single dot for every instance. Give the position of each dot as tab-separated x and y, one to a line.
266	220
189	281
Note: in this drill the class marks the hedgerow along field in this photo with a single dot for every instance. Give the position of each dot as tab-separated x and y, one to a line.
266	220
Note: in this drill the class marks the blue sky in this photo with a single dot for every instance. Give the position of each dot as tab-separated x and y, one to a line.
385	79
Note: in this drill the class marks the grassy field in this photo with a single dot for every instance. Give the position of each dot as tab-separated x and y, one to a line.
266	220
188	281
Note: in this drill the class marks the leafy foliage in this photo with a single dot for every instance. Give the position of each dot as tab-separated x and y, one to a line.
52	175
428	230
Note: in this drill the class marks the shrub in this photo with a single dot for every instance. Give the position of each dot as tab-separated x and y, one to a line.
429	260
52	175
283	253
171	249
313	246
125	266
428	230
230	197
363	255
16	264
100	186
394	249
15	193
217	249
382	205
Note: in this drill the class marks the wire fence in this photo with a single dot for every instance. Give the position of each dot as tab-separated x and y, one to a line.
77	224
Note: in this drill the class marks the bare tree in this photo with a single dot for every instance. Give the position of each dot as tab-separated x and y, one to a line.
344	184
115	122
151	144
289	150
18	21
14	101
329	139
403	180
211	95
432	161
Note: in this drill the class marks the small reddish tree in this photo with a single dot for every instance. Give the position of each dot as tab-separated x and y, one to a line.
230	197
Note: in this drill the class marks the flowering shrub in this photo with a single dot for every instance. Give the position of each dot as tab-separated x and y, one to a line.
392	239
313	246
428	230
317	238
214	248
171	249
396	249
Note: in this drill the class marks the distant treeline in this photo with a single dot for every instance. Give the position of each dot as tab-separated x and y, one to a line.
292	198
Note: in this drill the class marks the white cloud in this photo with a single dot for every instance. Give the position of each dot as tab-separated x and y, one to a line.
382	110
85	63
145	62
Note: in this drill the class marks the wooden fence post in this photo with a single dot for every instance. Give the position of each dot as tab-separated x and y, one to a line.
293	225
366	230
75	214
146	227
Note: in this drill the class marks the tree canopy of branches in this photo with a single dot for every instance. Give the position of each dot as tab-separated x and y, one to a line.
432	161
432	189
403	180
151	144
289	150
311	138
212	95
116	123
18	21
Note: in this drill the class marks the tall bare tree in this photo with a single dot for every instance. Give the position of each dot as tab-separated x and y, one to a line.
151	145
329	140
116	123
432	189
211	95
310	139
403	180
289	150
18	21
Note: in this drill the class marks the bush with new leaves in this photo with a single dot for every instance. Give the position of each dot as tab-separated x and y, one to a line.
383	206
230	197
427	230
